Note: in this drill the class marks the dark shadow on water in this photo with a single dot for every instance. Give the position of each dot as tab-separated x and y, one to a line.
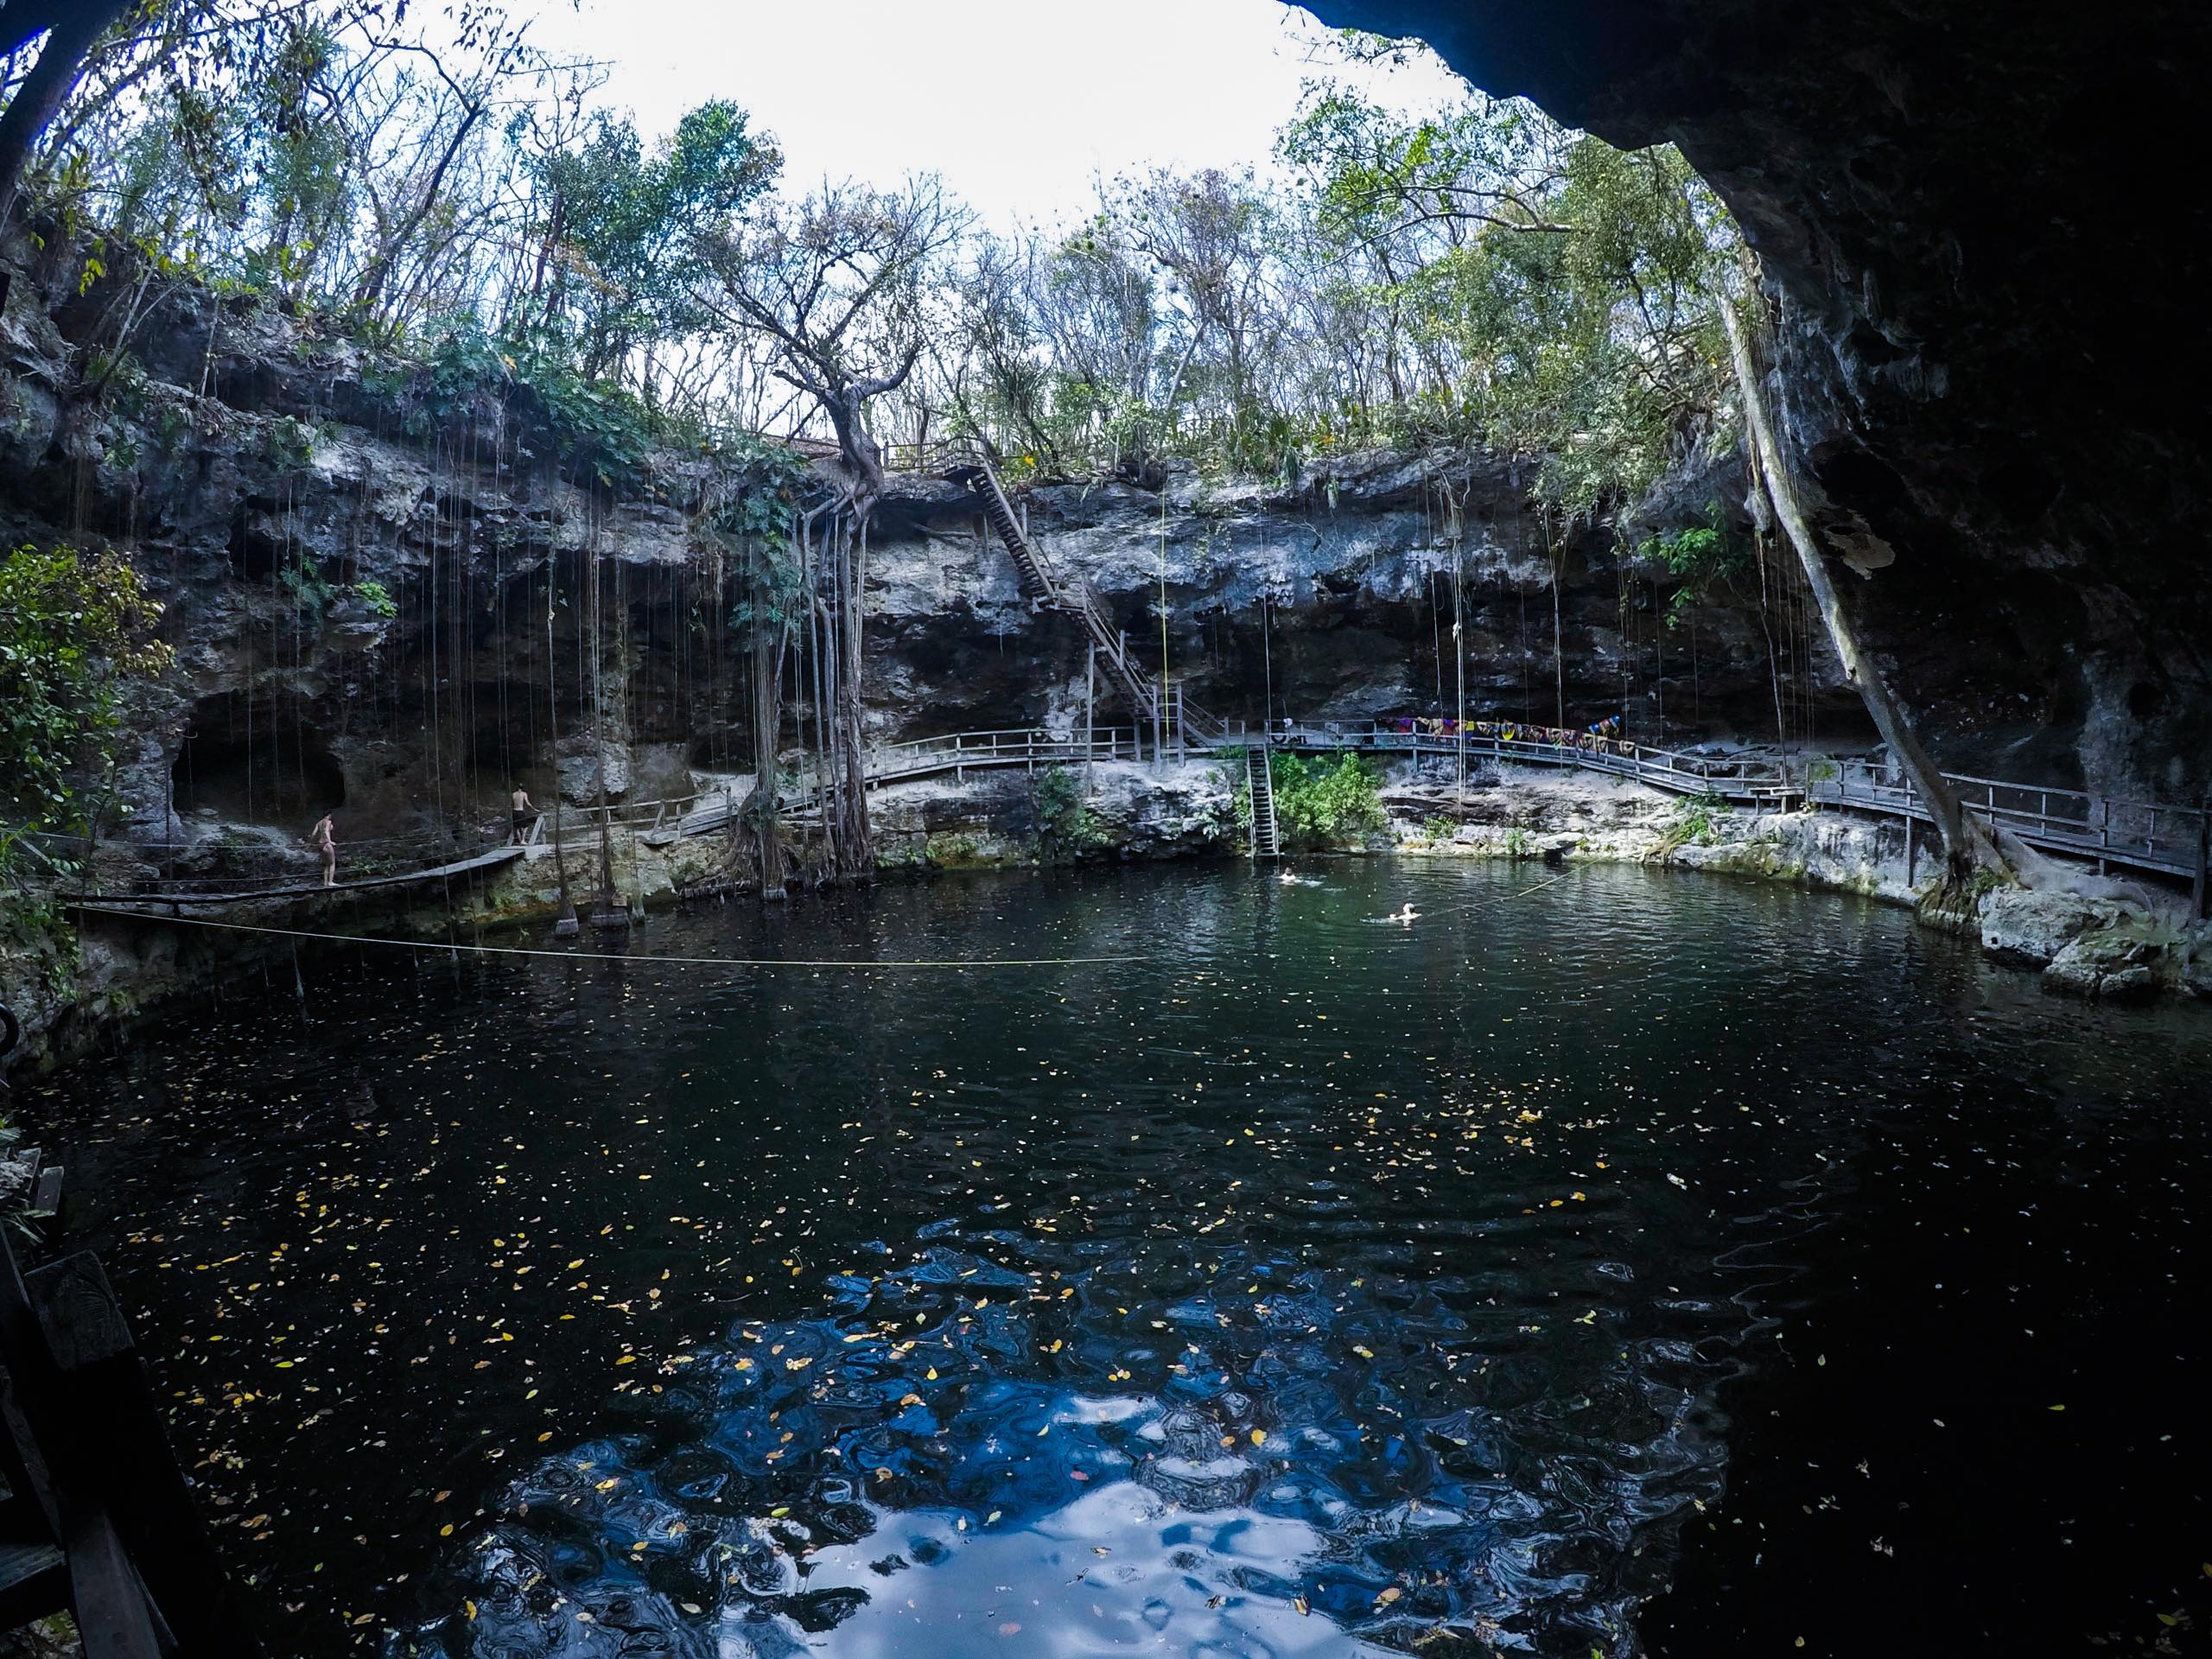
1304	1287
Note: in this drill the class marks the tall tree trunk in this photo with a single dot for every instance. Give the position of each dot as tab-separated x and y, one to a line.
855	833
370	289
761	809
75	25
1559	647
1963	844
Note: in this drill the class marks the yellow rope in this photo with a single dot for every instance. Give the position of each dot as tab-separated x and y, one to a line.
611	956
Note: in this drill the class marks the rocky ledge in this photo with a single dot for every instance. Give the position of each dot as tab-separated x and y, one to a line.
2116	941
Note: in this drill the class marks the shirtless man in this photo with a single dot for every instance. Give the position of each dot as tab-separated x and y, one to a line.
525	816
324	839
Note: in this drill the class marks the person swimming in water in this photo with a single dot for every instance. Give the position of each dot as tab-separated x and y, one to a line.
1407	917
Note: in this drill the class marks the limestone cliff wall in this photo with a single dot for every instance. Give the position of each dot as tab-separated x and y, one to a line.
1993	367
398	617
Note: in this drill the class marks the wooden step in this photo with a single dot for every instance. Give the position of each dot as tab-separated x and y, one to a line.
34	1575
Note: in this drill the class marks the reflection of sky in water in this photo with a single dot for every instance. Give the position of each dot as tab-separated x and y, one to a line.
1249	1456
1109	1572
1349	1287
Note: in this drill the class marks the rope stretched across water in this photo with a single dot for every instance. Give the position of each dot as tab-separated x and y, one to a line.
617	956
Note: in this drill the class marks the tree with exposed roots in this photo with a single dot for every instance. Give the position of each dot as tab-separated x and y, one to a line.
834	284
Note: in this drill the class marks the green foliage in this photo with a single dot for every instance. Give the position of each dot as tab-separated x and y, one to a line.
590	431
1474	274
624	219
1319	805
287	444
1706	559
1518	844
1568	289
377	597
72	626
35	932
1696	818
1439	830
302	582
952	852
1067	829
754	519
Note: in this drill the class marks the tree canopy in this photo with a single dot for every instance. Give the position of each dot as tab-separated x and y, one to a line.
1474	275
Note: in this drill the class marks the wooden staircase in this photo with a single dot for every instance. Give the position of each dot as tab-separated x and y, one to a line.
1070	595
1259	779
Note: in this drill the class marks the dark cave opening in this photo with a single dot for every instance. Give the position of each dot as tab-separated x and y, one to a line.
250	762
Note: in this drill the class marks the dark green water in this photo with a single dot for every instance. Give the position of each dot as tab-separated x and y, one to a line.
1623	1263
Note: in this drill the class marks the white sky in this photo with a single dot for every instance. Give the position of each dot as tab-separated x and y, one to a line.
1018	106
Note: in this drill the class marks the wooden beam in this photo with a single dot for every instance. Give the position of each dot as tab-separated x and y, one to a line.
119	1458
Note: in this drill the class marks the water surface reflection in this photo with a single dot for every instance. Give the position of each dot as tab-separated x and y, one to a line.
1305	1286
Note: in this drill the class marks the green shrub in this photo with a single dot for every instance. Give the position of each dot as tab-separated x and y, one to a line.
1066	830
1698	818
1439	830
74	629
1518	844
1234	773
378	598
302	582
951	852
1319	805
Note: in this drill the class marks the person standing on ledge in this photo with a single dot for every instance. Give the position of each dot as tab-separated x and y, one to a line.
324	839
525	817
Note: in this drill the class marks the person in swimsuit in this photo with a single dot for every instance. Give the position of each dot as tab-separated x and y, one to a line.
324	839
526	815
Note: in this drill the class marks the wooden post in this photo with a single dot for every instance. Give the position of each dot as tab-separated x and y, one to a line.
1090	719
1912	869
2200	892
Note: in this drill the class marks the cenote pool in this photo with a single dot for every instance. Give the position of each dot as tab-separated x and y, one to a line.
1606	1264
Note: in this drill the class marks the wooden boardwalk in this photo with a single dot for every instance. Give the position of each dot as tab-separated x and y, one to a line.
174	904
2109	831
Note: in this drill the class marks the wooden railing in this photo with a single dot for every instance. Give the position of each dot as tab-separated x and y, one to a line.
2140	835
2157	837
